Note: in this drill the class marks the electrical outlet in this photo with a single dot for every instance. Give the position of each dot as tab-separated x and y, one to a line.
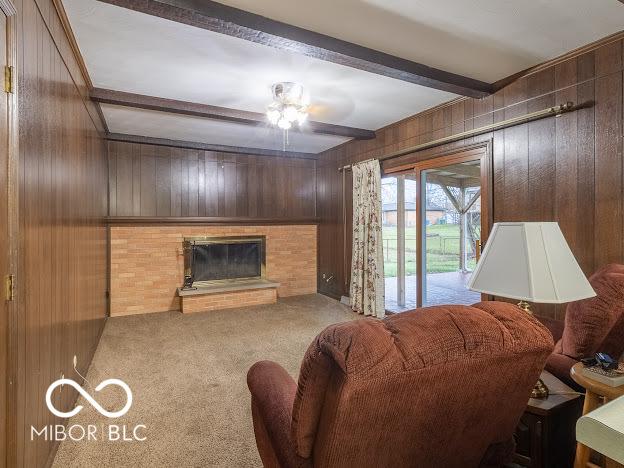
75	361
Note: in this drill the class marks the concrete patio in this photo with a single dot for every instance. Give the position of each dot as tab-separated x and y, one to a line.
442	288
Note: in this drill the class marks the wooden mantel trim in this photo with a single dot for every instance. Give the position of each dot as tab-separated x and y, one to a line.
207	220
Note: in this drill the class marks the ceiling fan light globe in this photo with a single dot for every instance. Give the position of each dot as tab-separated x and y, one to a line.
273	115
284	124
291	113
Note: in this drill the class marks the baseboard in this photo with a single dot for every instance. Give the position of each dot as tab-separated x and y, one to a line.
329	294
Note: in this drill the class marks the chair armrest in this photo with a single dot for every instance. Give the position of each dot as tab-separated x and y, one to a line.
554	326
272	394
559	365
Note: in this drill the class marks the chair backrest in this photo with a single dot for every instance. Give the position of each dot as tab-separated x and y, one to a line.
597	324
431	387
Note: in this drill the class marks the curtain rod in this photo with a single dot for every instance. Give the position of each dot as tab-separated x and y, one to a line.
556	111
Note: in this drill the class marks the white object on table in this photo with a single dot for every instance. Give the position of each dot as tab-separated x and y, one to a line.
603	430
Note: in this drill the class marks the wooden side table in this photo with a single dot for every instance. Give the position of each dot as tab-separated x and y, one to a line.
595	392
545	435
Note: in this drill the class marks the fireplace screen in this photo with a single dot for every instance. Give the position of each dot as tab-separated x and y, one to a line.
211	259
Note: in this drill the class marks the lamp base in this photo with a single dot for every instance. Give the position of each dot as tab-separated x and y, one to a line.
540	390
525	306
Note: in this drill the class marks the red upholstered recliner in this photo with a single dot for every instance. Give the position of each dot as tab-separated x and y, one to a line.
591	325
434	387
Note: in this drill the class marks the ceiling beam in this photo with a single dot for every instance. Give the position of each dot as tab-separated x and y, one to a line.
206	146
223	19
120	98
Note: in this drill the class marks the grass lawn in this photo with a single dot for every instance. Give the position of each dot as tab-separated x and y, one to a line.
442	249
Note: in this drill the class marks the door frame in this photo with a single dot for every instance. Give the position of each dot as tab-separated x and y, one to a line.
479	151
8	8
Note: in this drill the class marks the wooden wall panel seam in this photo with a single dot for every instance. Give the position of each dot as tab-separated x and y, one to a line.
209	184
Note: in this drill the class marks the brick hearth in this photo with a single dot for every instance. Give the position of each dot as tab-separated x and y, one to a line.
229	300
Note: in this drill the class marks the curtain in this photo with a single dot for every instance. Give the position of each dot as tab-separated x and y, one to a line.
367	275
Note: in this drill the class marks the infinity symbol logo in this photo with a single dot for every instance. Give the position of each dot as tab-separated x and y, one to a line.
89	398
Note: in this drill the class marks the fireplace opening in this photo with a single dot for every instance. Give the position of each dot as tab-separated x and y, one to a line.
210	260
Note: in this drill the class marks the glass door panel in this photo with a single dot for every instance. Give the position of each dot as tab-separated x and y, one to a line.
389	221
451	232
411	225
399	221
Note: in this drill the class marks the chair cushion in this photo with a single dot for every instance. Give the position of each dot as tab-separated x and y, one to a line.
597	324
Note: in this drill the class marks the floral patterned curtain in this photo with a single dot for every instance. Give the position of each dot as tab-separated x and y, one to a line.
367	275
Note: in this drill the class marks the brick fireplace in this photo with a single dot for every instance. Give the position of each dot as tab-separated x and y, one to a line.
147	266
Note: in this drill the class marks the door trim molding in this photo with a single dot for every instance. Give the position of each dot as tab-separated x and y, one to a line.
450	153
8	8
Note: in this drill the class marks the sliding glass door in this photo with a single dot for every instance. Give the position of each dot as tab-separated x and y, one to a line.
399	241
451	232
435	217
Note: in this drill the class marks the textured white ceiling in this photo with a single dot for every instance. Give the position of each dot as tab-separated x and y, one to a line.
484	39
134	52
187	128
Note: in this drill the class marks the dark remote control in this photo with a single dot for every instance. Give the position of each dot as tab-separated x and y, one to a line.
606	361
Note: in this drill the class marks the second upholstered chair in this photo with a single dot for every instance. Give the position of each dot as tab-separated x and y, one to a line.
591	325
435	387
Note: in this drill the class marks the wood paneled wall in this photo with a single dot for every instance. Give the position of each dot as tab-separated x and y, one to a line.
567	169
63	242
147	180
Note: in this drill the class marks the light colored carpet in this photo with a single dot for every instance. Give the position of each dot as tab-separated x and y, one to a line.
188	378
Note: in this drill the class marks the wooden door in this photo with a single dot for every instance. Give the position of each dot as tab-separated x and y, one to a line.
4	249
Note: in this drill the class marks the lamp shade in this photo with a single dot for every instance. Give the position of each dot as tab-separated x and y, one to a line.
530	262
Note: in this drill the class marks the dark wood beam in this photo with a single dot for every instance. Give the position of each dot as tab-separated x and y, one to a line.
120	98
206	146
223	19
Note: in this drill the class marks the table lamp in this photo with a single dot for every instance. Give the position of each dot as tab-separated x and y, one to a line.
530	262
